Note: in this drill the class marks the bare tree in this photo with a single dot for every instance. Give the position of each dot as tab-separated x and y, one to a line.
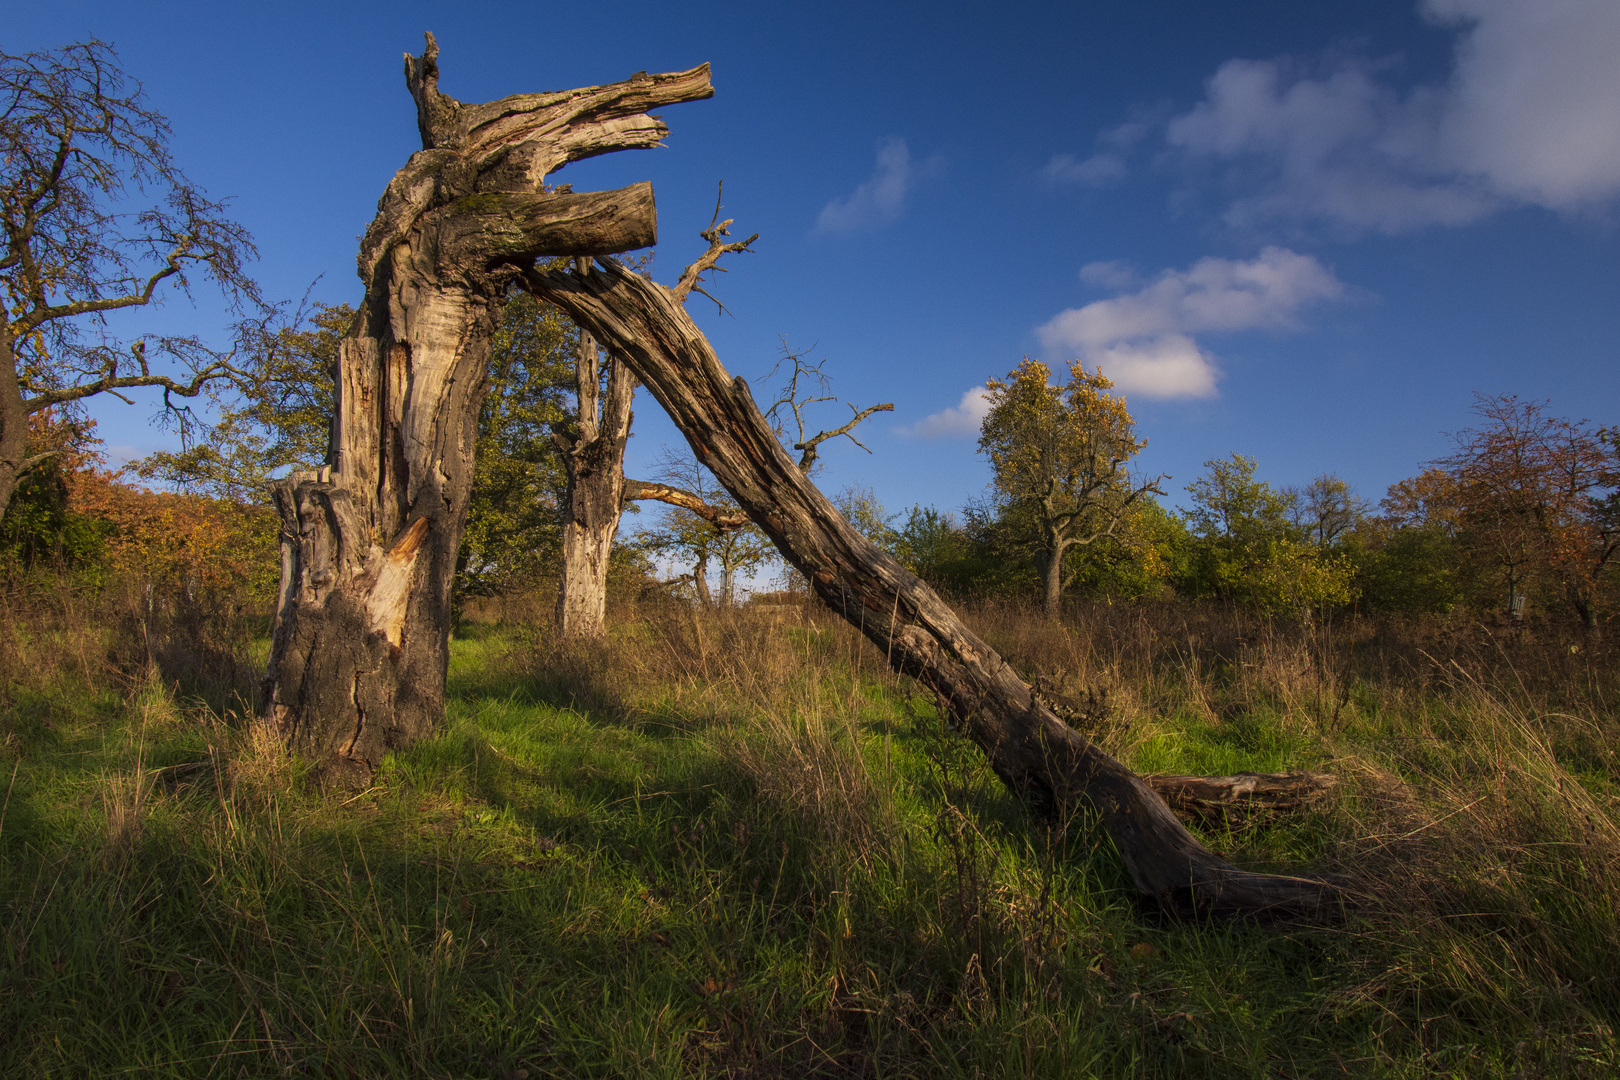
1325	509
369	541
1029	747
80	153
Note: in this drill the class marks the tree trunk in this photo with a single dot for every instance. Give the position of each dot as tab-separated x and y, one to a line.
700	582
361	642
1050	565
594	458
1585	609
1243	799
13	424
1029	748
728	584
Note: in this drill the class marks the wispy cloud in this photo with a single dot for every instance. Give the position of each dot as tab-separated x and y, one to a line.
963	419
1143	339
1525	117
1108	164
1096	170
881	198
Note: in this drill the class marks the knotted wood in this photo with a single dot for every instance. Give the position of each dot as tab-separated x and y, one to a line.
361	641
1029	747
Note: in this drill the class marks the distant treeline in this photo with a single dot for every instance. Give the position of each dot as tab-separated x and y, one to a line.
1521	519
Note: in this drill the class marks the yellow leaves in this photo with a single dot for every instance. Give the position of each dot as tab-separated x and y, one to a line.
183	540
1063	445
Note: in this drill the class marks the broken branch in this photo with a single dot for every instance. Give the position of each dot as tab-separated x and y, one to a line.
709	259
648	491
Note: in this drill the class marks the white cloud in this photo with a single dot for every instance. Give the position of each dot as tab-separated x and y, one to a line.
963	419
1096	170
1106	165
1143	340
1527	116
1534	102
880	198
1116	275
1166	366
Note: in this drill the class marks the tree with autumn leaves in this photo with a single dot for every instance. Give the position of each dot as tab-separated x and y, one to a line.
1532	497
1061	457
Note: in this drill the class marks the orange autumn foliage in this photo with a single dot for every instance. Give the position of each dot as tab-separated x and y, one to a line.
174	541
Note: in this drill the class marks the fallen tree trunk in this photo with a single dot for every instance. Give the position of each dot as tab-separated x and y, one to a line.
1030	749
1242	799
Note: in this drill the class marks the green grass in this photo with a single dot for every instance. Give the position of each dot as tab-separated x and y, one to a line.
716	866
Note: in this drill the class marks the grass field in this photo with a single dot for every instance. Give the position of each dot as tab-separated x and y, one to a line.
726	845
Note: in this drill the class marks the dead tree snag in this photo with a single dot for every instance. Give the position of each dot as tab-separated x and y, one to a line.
593	456
369	542
1030	749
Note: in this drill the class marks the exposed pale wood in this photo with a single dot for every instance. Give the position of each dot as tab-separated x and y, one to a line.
361	641
593	456
388	597
1241	799
1032	751
651	491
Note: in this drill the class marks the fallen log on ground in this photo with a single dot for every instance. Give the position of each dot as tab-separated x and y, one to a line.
1242	799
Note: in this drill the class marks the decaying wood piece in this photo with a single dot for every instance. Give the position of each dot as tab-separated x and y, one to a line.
1243	799
369	542
1029	748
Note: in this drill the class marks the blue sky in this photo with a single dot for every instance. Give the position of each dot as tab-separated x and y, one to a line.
1308	232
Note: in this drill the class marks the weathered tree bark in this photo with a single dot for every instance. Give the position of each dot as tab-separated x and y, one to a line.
1242	799
1029	748
593	455
361	642
728	583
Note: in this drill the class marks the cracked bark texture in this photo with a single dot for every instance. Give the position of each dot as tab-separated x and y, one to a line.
1029	747
593	456
361	640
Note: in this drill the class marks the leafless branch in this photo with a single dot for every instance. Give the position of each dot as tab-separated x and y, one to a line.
109	381
790	400
709	259
648	491
809	445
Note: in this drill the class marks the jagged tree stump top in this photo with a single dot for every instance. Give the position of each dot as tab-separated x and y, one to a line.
487	163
